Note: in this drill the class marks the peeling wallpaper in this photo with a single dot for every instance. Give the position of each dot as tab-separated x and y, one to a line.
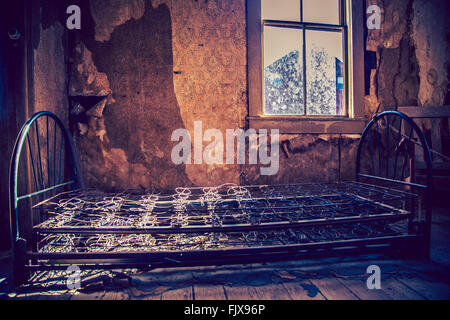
150	67
193	68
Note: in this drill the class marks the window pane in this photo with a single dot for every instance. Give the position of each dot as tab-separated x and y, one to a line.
321	11
283	71
287	10
324	73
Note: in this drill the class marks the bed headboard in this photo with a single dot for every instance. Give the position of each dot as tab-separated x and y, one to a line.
391	147
391	139
44	150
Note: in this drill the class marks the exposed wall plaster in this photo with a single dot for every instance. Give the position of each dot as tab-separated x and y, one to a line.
396	81
86	80
108	14
125	139
413	59
50	79
431	34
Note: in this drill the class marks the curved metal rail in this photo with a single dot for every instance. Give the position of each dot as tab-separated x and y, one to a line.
43	150
386	154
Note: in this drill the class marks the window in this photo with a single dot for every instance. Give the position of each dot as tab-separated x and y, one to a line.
304	57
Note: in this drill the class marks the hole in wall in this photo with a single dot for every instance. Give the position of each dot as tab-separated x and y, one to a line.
84	107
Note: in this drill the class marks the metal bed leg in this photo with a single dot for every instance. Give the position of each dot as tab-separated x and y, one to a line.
428	213
20	274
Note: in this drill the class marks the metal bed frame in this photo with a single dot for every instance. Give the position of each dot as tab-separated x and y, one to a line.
228	224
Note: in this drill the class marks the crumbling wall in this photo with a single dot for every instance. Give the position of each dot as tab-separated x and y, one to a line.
431	34
142	69
412	54
395	81
49	81
207	78
124	108
149	68
412	69
413	61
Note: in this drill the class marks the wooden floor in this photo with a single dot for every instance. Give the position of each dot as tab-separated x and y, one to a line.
341	278
331	279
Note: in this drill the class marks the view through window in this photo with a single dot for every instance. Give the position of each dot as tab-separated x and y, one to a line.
304	54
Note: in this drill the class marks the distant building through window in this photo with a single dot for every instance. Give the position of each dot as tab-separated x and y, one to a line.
304	57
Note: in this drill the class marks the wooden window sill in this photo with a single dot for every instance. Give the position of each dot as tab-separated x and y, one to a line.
286	125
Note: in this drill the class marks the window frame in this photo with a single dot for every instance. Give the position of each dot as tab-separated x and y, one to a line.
352	123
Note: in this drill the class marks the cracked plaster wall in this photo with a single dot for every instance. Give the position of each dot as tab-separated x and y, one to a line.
49	68
413	61
161	65
413	54
431	34
166	64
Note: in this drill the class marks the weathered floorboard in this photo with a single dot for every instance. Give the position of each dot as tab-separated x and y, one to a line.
153	297
304	290
209	292
116	295
332	289
359	288
178	294
88	296
429	289
398	291
272	292
241	293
